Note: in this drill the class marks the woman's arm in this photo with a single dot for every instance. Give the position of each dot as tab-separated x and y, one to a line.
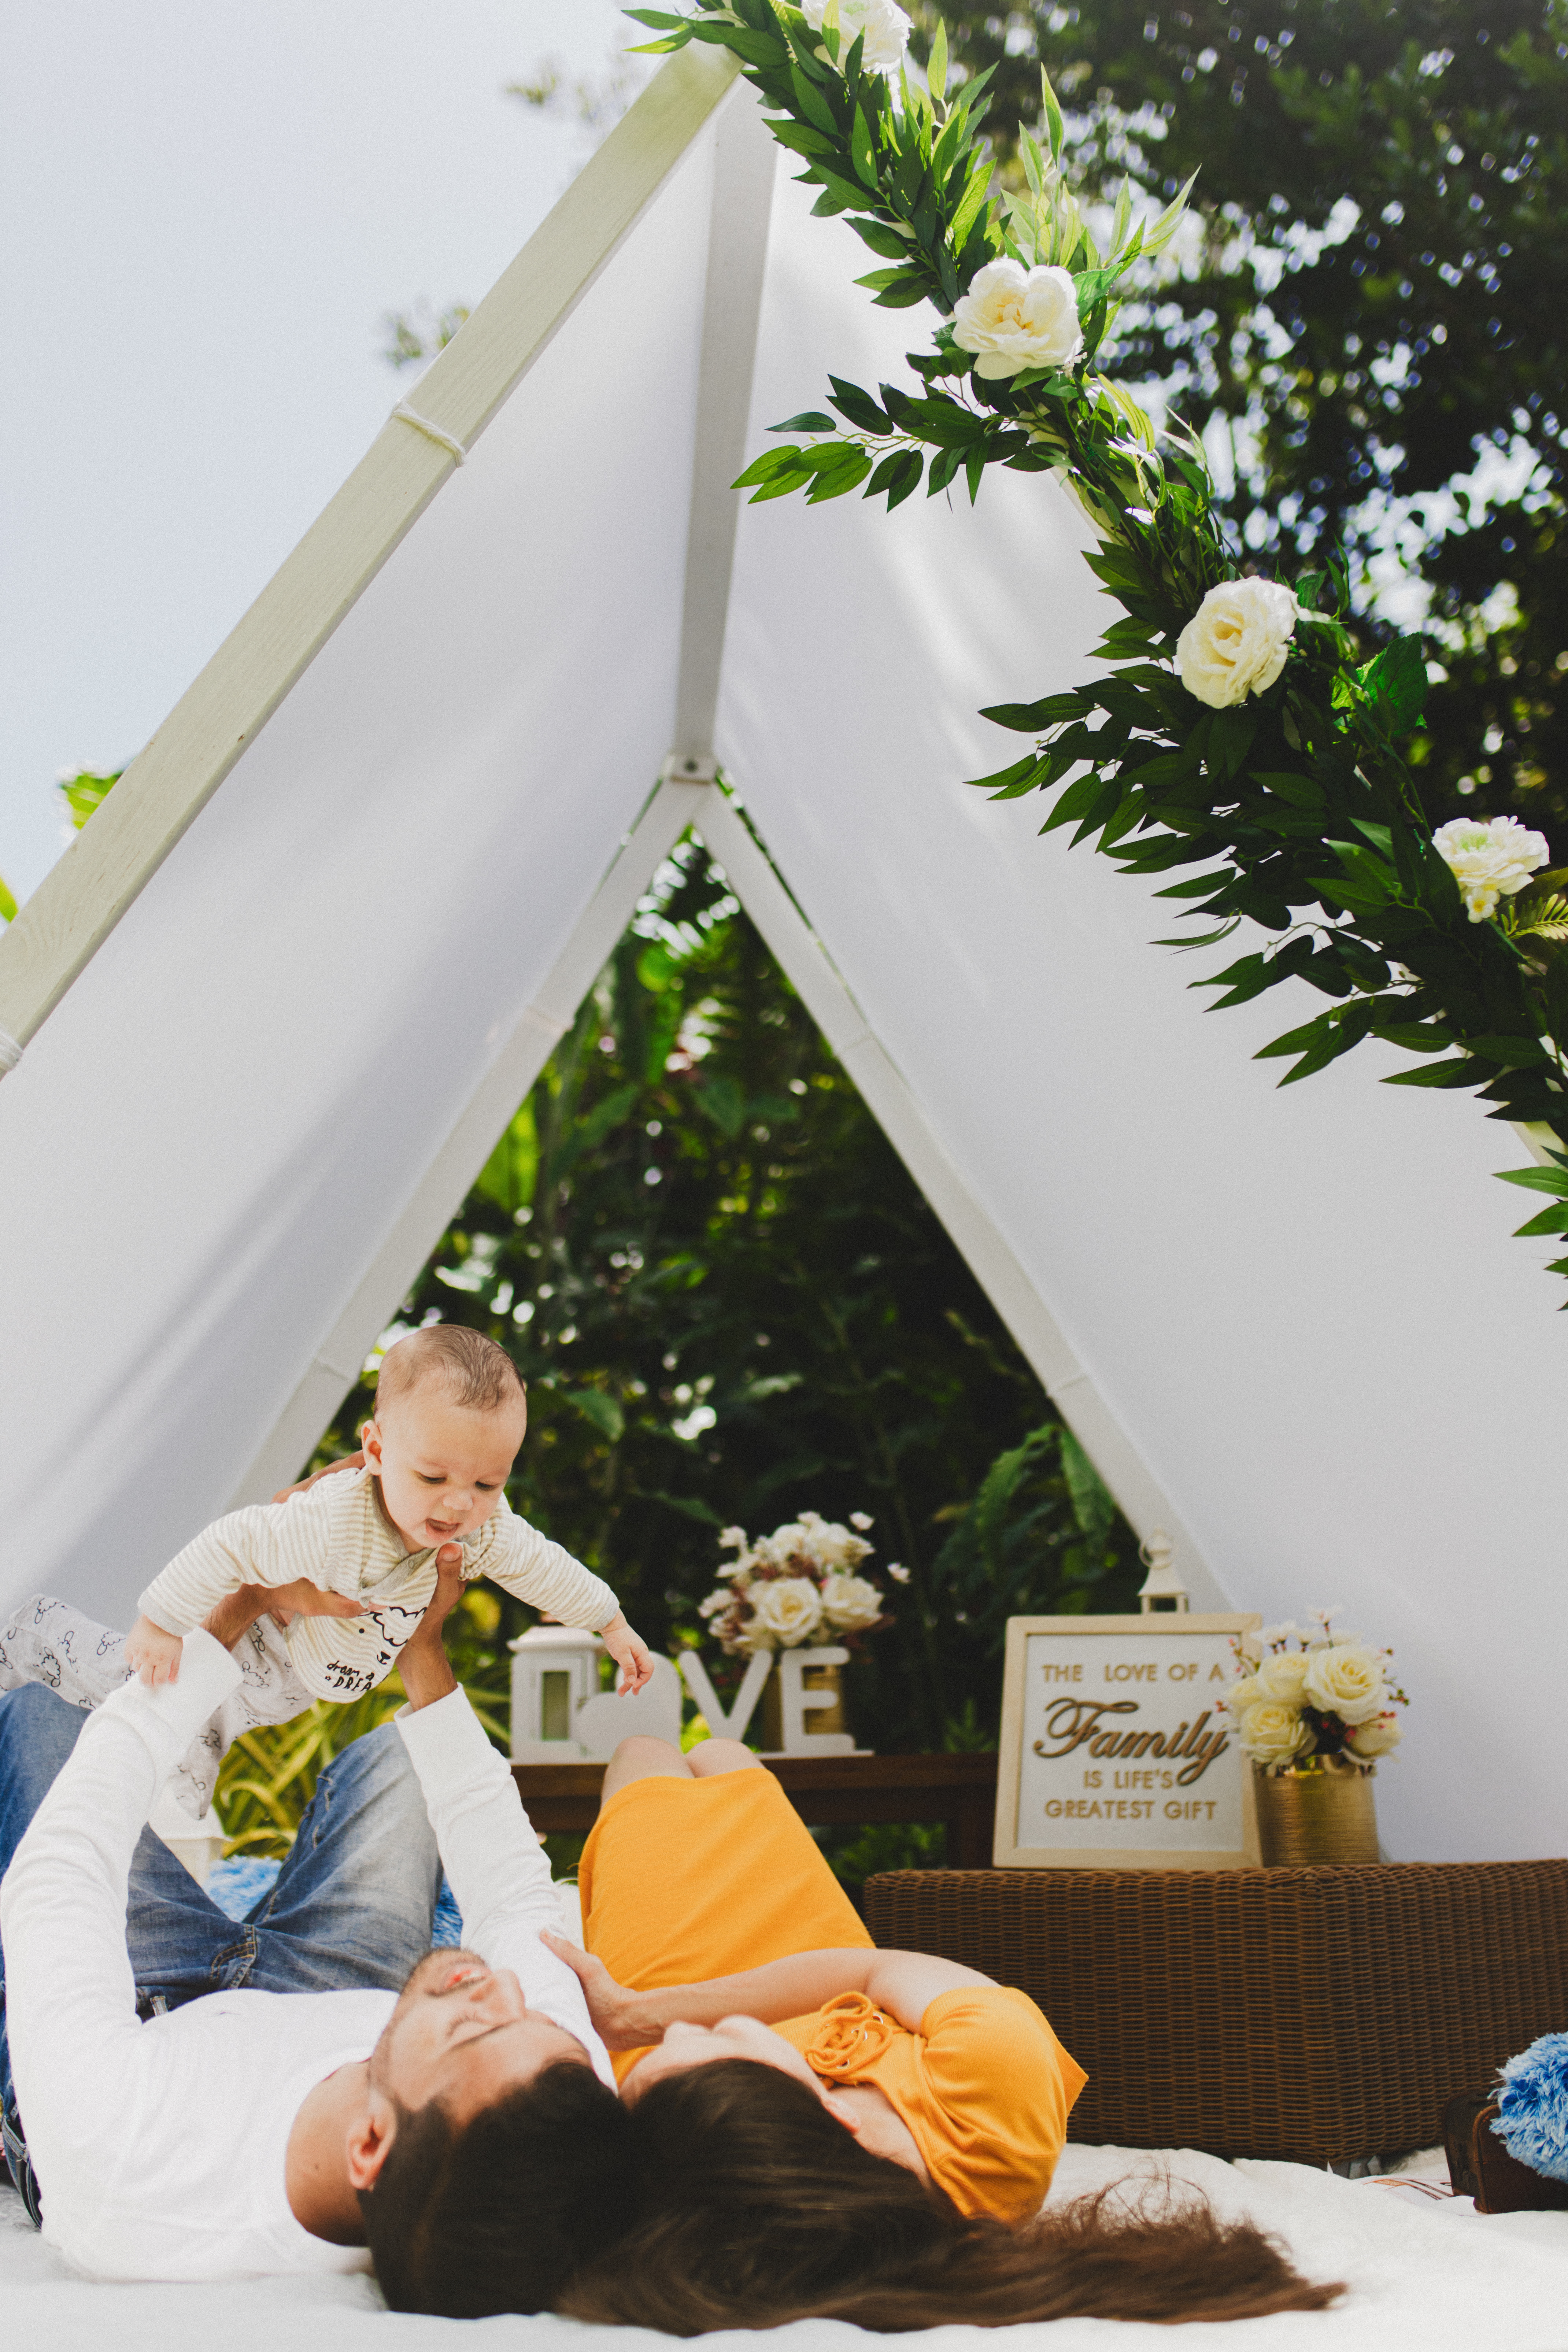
903	1983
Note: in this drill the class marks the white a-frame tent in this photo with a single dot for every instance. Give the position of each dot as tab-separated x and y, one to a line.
280	997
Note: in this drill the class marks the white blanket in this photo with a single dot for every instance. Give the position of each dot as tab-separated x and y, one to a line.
1425	2275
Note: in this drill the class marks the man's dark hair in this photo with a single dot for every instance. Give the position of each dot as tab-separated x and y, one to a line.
496	2216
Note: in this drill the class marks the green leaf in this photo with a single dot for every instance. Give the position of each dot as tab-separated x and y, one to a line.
771	462
7	902
724	1101
1053	115
835	481
1417	1038
862	150
858	406
1439	1074
1549	1221
811	420
600	1407
944	467
1008	783
1034	718
936	66
970	207
1514	1052
1397	677
811	101
880	238
1536	1180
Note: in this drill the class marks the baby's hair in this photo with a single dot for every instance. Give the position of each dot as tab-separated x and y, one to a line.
474	1372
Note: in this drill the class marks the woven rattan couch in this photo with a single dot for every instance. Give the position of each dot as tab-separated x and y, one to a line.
1314	2014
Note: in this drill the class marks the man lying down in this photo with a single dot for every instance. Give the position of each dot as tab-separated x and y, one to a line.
188	2099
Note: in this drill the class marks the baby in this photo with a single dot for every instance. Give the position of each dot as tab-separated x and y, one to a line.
318	1593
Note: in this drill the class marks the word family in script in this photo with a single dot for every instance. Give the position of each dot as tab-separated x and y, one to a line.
1125	1744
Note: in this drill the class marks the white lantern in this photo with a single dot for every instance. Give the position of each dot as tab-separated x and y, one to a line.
555	1668
1162	1588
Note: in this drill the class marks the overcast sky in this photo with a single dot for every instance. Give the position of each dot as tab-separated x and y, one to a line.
205	211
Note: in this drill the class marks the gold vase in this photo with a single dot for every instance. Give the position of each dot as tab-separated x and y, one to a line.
826	1718
1319	1810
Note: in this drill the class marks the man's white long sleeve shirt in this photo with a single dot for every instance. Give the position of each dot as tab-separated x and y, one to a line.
160	2146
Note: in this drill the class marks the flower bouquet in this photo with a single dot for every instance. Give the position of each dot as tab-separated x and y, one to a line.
1305	1691
797	1582
1314	1710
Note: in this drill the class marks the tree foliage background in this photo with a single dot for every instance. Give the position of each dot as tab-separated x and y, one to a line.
731	1302
1369	323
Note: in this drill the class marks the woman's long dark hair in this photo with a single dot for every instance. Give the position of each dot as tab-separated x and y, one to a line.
756	2207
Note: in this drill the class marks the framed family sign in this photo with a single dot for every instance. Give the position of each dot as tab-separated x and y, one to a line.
1116	1753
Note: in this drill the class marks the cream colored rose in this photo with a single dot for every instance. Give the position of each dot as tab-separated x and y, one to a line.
1272	1734
850	1601
1282	1677
884	27
784	1611
1378	1737
1489	861
1016	317
830	1545
1245	1692
1346	1681
1237	641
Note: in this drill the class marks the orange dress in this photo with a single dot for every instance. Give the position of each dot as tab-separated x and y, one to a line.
686	1879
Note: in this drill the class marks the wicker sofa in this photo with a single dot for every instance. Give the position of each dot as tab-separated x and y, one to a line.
1315	2014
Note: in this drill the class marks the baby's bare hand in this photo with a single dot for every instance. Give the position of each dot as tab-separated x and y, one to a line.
631	1653
153	1654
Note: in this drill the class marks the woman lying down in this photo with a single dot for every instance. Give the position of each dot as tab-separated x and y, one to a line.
821	2128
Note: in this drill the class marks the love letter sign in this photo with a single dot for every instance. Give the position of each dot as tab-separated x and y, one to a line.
1116	1753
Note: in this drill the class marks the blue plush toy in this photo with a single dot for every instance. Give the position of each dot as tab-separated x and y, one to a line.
1532	2107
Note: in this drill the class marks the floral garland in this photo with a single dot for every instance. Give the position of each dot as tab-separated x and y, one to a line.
785	1587
1236	731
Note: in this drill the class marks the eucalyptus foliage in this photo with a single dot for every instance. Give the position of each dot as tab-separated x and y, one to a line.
1295	806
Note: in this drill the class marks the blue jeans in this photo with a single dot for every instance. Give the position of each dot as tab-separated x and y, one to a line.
351	1907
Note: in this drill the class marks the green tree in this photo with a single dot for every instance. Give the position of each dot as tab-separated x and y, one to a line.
731	1303
1371	327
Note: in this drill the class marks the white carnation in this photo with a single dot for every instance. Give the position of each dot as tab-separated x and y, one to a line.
884	27
1016	317
849	1603
1237	641
784	1613
1489	861
1346	1681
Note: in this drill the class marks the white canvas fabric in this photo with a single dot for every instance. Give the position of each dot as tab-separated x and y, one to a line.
1304	1309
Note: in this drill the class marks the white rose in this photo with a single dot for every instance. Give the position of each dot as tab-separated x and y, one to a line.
1272	1734
848	1601
1375	1738
1346	1681
829	1545
1282	1676
783	1613
1017	317
1489	861
1245	1692
1237	641
886	29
